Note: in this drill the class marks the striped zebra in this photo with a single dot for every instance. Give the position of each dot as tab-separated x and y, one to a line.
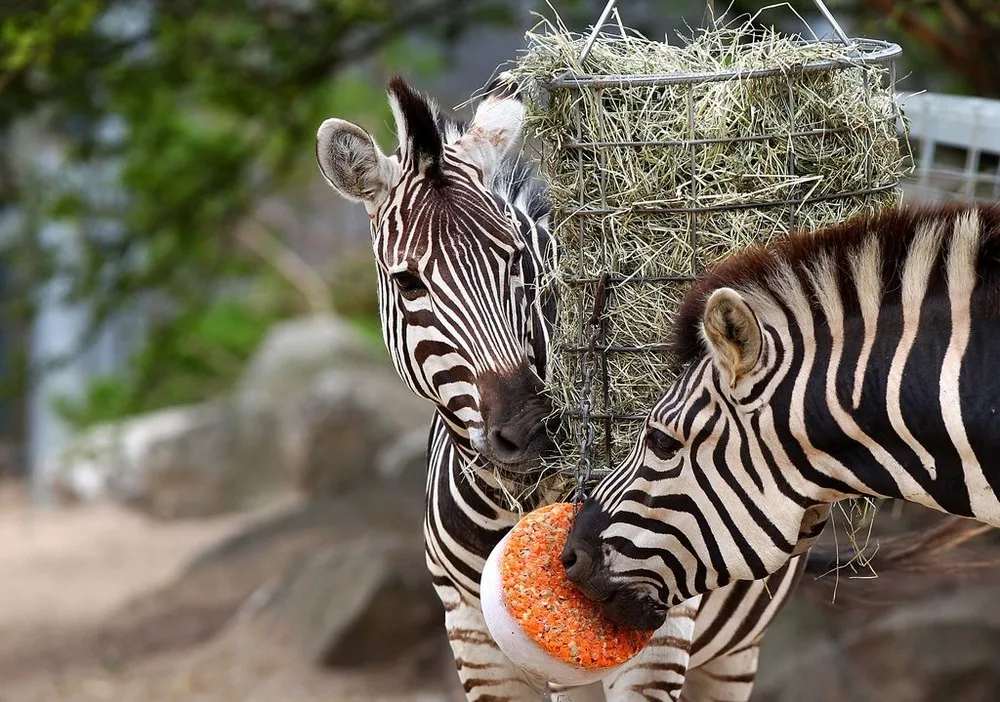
857	360
459	233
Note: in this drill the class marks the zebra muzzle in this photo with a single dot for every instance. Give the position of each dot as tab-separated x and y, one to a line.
516	415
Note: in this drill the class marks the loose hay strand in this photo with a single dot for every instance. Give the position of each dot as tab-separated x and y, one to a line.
654	182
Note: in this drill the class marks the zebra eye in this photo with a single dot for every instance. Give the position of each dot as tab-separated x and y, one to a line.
409	285
662	445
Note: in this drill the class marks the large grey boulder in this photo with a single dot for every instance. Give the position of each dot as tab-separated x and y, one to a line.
338	431
315	412
181	462
922	631
940	647
362	603
335	583
232	579
295	351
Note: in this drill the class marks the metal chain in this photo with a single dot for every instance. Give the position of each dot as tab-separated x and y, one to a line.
589	359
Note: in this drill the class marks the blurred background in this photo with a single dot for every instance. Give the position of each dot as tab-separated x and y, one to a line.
211	481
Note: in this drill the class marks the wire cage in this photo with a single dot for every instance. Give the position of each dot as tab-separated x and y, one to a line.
655	176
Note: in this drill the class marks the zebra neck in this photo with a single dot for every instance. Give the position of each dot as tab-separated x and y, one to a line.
909	409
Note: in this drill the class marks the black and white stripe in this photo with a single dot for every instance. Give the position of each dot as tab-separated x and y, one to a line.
858	360
462	247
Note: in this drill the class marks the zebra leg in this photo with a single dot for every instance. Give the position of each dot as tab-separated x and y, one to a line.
659	672
485	672
728	678
732	623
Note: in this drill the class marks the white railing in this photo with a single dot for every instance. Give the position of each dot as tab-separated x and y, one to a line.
956	140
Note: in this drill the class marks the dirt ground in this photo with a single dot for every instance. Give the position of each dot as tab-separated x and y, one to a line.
64	571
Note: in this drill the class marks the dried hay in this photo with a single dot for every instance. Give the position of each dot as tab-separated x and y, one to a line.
639	193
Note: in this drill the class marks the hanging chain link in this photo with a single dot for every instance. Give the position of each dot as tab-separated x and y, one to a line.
588	362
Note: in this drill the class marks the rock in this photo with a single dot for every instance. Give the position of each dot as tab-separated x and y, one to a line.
294	424
914	634
363	603
182	462
942	647
376	508
103	456
231	463
227	582
294	352
337	431
404	461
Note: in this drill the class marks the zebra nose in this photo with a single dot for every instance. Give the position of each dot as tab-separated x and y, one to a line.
582	555
514	413
578	562
508	444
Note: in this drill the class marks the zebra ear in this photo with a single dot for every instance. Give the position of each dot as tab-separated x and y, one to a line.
733	334
351	162
496	126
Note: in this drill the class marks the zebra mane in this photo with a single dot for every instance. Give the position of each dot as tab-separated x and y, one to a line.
764	267
426	129
516	178
516	181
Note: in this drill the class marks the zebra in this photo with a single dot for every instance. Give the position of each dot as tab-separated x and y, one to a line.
459	230
860	359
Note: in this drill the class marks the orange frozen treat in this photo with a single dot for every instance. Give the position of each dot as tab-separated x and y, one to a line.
538	617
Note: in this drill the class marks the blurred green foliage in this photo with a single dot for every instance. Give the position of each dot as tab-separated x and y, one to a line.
205	361
176	119
353	287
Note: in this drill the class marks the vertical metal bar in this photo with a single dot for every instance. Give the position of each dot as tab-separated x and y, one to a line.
897	112
608	421
927	145
971	173
926	163
870	143
791	148
899	124
602	139
603	166
580	359
693	190
581	175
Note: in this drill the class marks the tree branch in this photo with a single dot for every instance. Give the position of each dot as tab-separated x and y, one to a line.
263	242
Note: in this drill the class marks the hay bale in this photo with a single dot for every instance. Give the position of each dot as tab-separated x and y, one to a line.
654	180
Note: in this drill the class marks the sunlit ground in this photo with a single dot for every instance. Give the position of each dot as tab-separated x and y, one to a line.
65	573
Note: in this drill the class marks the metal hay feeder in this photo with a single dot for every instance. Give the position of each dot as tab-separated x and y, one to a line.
601	422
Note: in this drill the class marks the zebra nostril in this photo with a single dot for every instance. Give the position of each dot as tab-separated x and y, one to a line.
577	562
505	444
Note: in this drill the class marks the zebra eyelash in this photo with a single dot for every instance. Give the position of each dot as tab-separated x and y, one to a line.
409	284
663	446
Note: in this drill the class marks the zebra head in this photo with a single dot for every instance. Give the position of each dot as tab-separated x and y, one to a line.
455	264
694	506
